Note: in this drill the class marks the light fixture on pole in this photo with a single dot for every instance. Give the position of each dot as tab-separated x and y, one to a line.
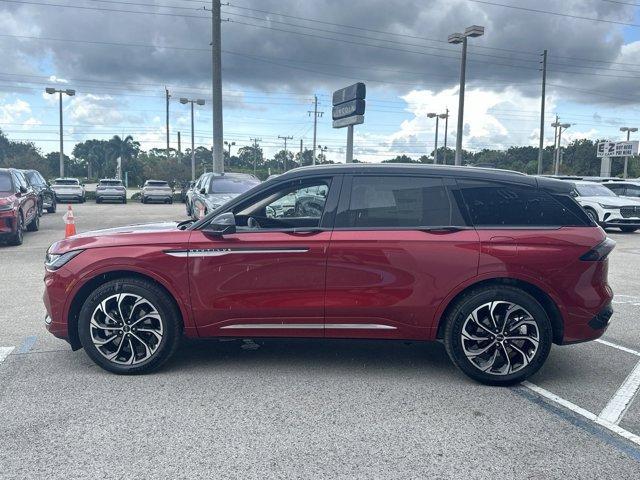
199	101
71	93
626	159
229	144
455	38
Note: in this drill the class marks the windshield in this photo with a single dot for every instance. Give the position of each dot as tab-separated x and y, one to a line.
594	190
156	184
111	183
231	184
5	183
67	182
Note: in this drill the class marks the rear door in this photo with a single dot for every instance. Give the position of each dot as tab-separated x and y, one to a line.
268	278
399	246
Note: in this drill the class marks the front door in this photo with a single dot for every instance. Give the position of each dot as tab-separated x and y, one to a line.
268	278
400	245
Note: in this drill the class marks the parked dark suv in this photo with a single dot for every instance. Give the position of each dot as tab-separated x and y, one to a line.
496	265
42	188
18	206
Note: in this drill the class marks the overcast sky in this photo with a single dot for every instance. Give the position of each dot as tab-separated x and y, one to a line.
278	54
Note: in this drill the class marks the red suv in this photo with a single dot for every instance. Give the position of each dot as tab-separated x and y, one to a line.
497	265
18	206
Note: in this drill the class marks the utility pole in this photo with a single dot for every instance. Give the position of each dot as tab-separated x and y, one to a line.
179	144
255	152
216	87
301	152
285	138
446	128
167	97
315	114
626	159
542	103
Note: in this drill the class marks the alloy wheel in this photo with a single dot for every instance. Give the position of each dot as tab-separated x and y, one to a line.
500	338
126	329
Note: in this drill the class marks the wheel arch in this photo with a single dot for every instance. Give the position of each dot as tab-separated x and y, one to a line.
100	279
549	305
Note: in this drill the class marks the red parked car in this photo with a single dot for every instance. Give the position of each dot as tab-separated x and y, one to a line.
18	206
497	265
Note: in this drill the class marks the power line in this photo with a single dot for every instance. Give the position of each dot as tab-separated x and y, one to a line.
101	9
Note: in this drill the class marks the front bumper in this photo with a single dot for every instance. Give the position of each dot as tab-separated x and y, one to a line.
8	222
615	218
57	285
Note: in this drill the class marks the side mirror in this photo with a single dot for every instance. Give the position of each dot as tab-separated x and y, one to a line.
23	189
223	224
203	191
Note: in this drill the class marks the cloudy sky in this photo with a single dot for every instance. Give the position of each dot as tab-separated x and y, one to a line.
120	54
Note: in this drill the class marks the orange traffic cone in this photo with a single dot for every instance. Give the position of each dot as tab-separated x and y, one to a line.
70	223
200	212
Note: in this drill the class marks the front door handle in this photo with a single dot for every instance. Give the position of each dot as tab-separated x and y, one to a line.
306	231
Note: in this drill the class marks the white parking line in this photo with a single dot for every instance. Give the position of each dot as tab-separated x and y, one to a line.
585	413
619	347
4	352
617	406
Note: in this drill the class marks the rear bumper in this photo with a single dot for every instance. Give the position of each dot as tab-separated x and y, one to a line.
157	197
591	329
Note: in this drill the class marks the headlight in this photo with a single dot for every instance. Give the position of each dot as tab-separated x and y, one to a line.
54	261
609	207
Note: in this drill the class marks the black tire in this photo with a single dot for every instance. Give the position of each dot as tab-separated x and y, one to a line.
18	237
168	316
628	229
478	298
53	207
34	225
592	215
98	200
170	202
124	200
142	200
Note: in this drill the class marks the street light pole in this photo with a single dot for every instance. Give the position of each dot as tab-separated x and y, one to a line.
229	144
435	151
561	126
71	93
626	159
455	38
193	151
446	128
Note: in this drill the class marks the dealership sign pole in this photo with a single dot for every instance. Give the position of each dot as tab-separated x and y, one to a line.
348	110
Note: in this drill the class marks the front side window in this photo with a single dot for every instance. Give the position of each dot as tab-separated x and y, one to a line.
400	202
508	205
632	191
294	205
20	180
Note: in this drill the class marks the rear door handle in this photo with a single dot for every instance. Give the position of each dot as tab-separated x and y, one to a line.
305	231
443	229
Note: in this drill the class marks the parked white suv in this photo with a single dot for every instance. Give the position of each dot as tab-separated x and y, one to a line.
606	208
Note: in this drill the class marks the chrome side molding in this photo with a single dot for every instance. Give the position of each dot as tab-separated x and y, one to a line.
219	252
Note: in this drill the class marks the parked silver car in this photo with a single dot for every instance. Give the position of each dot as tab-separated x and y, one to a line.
111	189
156	191
68	190
213	190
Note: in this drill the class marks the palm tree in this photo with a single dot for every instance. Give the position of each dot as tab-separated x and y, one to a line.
126	148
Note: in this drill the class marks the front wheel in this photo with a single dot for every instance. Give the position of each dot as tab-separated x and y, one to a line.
18	236
52	208
34	225
592	215
129	326
498	335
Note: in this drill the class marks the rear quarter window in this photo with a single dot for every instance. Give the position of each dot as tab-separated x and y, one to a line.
494	204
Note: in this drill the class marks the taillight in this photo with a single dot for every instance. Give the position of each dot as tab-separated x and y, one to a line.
599	252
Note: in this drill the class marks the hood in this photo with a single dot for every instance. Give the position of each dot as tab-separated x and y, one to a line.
617	201
143	234
215	200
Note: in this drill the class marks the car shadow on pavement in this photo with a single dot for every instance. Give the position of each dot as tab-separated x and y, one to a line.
301	354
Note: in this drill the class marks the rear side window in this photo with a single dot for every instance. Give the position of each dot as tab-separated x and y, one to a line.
492	204
399	201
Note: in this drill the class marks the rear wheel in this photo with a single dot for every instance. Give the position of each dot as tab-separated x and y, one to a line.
34	225
628	229
129	326
498	335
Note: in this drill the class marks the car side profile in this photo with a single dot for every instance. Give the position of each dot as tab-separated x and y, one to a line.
496	265
627	188
606	208
19	209
46	195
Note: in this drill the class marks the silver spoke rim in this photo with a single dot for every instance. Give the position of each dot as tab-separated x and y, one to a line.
126	329
500	337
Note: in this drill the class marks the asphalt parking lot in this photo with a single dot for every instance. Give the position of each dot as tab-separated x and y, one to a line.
306	409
